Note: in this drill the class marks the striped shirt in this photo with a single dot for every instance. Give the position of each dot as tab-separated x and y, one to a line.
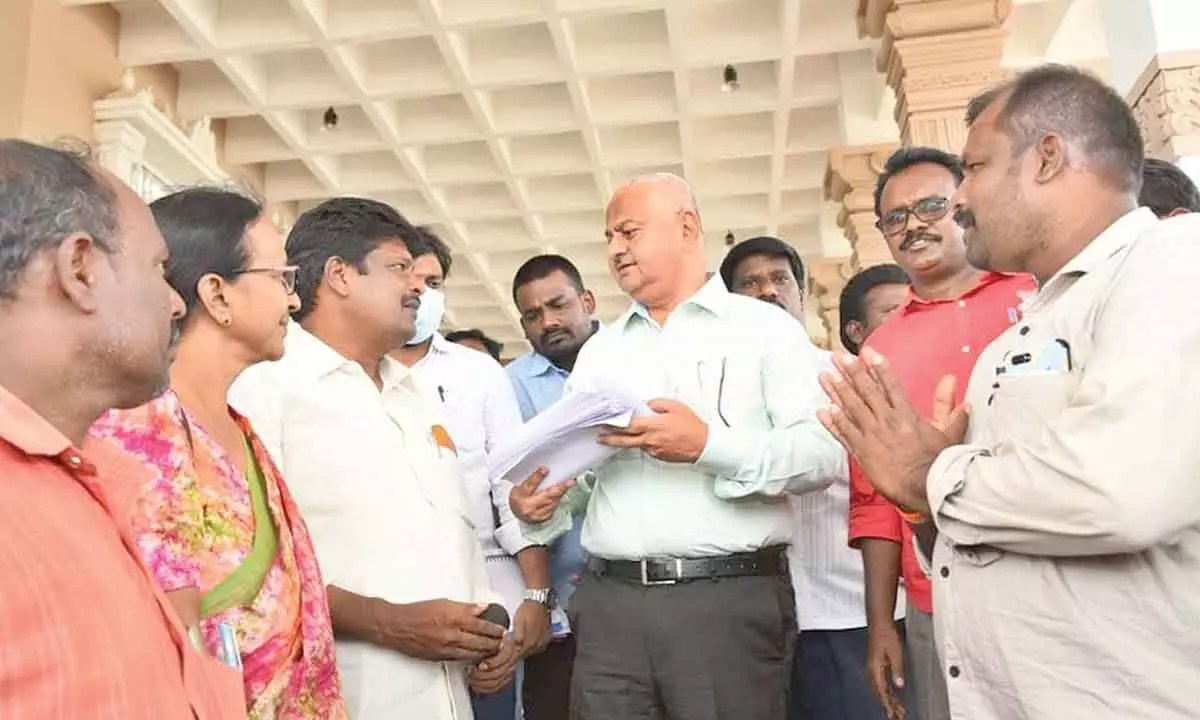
84	631
827	573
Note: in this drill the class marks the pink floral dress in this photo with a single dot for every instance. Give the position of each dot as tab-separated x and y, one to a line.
194	526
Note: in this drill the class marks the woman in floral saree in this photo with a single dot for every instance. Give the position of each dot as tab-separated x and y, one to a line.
217	526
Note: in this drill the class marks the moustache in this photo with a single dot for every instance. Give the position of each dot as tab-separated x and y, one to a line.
914	235
964	218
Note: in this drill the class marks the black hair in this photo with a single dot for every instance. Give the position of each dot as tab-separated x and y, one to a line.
205	230
1076	105
46	195
852	306
540	266
1166	188
494	347
438	247
348	228
763	245
906	157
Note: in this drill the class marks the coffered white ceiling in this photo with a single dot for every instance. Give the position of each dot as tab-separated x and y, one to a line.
505	124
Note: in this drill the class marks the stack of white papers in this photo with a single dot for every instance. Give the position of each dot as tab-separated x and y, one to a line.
562	438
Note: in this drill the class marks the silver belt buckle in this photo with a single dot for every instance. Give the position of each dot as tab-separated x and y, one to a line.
672	581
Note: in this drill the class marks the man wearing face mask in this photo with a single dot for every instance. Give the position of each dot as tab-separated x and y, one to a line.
480	407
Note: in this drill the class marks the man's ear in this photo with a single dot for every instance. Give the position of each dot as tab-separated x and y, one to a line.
691	227
854	331
1051	156
77	265
1178	211
335	276
589	302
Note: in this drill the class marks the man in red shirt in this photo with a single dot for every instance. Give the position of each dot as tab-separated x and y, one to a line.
85	326
952	312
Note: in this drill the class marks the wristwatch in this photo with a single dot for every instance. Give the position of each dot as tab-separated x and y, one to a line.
541	596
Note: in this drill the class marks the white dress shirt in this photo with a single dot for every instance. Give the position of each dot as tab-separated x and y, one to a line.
748	369
480	409
384	503
1066	571
827	573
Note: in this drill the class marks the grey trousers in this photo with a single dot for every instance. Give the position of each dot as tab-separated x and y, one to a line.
700	650
926	682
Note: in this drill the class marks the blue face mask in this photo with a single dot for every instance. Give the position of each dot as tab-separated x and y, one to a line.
429	315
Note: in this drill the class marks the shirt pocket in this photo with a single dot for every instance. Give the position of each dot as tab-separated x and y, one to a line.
1023	405
724	391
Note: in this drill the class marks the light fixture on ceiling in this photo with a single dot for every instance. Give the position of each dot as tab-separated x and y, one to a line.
730	240
330	120
730	79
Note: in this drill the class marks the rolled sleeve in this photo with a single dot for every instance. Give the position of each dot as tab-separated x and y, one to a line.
871	515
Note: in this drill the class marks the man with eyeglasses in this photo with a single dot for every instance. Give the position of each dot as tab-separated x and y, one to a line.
952	312
378	477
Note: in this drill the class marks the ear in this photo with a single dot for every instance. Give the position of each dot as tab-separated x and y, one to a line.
589	302
210	290
77	265
854	330
1178	211
691	227
335	276
1051	156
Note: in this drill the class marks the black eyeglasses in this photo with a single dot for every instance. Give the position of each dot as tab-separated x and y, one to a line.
286	275
927	210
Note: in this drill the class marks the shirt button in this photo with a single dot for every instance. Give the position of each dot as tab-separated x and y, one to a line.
944	572
954	671
74	460
966	348
962	303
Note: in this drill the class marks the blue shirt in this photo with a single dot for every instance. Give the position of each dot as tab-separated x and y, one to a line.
539	384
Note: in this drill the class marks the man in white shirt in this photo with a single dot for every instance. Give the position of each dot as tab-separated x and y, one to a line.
376	474
1068	513
829	679
687	609
480	409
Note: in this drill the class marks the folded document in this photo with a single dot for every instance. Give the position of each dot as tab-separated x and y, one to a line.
562	438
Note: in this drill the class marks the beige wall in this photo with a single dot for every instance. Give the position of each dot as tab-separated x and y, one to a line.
55	62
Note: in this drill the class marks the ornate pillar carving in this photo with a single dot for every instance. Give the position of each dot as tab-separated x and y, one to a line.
1166	102
827	277
937	55
850	178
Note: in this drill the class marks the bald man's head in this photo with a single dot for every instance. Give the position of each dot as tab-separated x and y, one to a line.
655	240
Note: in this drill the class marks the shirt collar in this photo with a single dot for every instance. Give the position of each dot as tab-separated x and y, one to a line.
1114	238
713	297
912	303
440	344
314	357
29	432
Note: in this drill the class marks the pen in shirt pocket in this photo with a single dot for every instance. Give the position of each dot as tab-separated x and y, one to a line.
441	393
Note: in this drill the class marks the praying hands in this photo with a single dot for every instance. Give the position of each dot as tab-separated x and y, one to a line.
871	416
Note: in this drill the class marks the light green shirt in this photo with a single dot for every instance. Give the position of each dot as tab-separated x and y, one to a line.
748	369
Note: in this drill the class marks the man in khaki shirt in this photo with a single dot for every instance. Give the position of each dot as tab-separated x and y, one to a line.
1067	568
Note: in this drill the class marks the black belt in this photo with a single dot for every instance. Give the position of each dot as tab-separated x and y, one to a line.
669	571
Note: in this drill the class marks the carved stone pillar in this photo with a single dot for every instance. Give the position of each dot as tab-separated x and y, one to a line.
827	277
937	55
850	180
1166	102
119	148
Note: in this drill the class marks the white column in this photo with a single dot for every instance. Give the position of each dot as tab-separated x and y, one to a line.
119	148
